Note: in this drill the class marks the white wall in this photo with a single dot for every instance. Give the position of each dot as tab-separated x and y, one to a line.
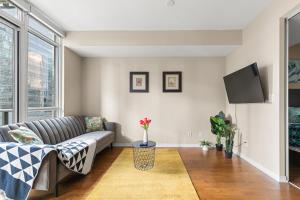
72	83
260	124
106	93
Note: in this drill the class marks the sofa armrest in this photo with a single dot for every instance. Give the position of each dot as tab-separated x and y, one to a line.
46	178
110	126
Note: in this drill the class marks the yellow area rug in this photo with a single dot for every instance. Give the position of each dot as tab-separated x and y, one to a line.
167	180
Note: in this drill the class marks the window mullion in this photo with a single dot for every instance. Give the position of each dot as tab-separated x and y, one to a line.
59	85
16	76
23	103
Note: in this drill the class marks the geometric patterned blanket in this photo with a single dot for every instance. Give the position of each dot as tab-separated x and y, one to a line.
19	164
77	156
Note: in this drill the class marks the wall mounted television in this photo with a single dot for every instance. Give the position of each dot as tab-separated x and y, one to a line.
244	86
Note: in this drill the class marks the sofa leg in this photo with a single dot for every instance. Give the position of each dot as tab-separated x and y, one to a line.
111	145
56	190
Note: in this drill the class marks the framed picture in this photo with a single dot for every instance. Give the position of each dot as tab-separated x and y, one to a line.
139	81
172	81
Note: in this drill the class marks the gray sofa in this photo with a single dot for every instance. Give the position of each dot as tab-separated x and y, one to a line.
55	131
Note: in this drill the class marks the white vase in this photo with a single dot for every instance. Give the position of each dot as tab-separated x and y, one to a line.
145	138
205	148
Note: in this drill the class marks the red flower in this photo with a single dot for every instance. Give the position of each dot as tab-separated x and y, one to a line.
145	123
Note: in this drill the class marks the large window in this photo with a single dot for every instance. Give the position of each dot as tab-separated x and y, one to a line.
42	78
29	85
7	73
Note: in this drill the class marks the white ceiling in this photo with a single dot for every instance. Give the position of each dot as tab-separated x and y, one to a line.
79	15
153	51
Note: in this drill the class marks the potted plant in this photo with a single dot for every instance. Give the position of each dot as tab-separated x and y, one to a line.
229	140
205	144
218	127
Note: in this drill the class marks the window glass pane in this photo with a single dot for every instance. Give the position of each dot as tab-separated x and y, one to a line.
6	118
38	114
41	73
6	73
39	27
10	9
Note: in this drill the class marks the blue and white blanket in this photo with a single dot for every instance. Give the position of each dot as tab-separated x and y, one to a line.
77	156
19	164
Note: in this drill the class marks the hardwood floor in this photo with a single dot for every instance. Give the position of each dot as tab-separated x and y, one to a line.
295	175
294	165
213	177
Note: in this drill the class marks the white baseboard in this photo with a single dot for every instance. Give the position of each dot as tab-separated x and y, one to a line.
283	179
158	145
263	169
122	144
177	145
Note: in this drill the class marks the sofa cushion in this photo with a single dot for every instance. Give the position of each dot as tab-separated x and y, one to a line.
93	124
24	135
103	138
57	130
97	135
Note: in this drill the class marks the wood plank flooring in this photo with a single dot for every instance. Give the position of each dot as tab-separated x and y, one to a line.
213	176
294	165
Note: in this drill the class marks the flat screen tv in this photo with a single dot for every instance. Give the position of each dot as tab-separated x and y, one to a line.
244	86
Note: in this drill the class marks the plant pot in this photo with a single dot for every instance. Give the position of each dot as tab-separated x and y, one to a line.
228	154
219	147
205	148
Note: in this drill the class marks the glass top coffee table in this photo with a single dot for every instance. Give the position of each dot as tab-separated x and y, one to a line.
143	155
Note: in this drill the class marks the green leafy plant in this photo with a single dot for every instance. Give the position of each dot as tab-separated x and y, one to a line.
205	143
229	138
219	126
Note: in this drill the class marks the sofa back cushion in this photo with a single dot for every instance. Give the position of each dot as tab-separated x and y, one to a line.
51	131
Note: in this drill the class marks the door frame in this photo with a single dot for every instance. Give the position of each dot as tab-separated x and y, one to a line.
284	81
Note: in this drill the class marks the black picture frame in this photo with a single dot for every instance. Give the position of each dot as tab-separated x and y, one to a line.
176	73
131	77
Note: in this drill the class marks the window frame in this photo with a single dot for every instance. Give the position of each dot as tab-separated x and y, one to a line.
21	25
57	56
15	20
15	106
